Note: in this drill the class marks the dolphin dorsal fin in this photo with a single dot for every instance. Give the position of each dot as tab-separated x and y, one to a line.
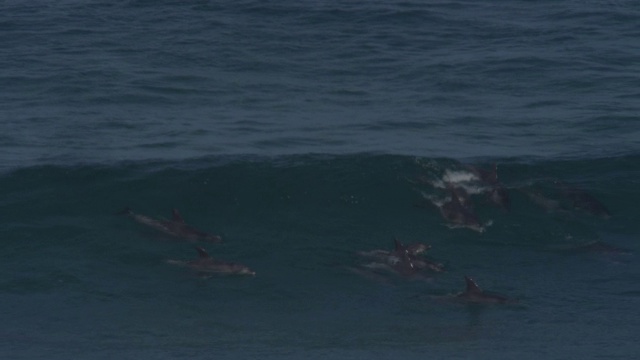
398	245
472	287
175	214
202	253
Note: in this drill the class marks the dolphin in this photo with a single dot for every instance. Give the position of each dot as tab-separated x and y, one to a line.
485	176
457	213
474	294
497	193
549	205
400	262
423	263
413	251
457	209
189	232
175	227
404	260
397	261
461	194
584	201
207	265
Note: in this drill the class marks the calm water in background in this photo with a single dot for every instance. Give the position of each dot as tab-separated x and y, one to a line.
291	128
106	81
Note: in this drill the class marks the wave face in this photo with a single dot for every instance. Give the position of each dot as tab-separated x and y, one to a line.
79	280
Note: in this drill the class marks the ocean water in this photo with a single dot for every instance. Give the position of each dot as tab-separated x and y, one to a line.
304	133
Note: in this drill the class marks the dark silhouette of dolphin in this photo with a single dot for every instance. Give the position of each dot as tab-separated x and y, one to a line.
455	211
584	201
205	264
497	193
175	227
486	176
404	260
549	205
413	251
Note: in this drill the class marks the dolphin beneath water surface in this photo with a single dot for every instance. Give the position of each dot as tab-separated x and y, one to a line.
207	265
458	212
175	227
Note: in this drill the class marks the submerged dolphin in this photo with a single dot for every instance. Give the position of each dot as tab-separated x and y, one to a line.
205	264
175	227
419	262
398	260
455	211
404	260
413	249
549	205
401	263
474	294
584	201
497	193
485	176
399	248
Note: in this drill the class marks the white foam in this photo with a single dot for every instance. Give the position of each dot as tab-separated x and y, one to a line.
458	176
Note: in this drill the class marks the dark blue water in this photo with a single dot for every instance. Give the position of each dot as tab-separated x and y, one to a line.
304	133
102	81
78	280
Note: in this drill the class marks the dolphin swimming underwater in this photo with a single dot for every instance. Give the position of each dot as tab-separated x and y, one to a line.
456	212
189	232
584	201
175	227
404	260
205	264
382	255
497	193
397	261
412	250
547	204
419	262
